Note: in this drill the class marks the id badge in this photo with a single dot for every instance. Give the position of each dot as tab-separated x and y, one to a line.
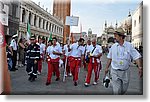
121	62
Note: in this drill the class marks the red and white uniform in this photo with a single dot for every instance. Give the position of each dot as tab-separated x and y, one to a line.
42	52
53	61
94	63
75	59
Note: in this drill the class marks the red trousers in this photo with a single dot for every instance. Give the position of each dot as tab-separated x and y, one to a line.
53	66
96	66
75	64
40	64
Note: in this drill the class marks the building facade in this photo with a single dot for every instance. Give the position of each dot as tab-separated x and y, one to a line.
61	9
137	26
42	23
13	18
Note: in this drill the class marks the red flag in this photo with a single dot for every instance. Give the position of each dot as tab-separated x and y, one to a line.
5	86
2	36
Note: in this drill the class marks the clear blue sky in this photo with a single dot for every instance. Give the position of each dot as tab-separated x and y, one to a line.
93	13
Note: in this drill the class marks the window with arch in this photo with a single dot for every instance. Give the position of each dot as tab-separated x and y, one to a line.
139	19
134	23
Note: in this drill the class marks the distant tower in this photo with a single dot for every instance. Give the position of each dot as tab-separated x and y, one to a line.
61	9
105	24
129	13
116	25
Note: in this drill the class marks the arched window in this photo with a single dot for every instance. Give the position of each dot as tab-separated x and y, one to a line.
134	23
39	21
139	19
29	20
23	15
34	20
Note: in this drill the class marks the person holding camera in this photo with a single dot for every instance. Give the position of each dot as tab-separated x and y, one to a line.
119	57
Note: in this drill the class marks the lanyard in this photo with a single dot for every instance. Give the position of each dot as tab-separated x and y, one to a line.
120	53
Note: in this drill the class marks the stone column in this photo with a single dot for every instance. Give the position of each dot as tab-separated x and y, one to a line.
51	27
48	26
32	19
37	21
45	23
21	10
41	23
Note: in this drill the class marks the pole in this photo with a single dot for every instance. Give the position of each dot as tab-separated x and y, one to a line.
66	57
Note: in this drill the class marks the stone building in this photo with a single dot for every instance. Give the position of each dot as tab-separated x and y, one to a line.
137	26
42	23
13	18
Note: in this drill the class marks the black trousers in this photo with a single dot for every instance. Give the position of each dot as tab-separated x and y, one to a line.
31	67
14	59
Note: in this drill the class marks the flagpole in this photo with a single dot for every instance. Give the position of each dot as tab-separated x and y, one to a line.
67	56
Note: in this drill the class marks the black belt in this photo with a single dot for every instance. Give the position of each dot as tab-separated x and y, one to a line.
121	69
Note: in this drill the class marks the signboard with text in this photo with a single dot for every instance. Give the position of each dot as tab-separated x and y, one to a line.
72	20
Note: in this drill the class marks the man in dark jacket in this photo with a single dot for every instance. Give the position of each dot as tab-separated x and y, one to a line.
33	55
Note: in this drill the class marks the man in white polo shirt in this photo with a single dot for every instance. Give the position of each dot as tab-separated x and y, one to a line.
119	57
94	52
13	45
54	52
76	57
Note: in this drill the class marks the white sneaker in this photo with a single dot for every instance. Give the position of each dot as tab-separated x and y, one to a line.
70	74
66	75
86	84
95	83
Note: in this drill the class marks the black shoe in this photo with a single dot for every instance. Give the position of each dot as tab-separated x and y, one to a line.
47	83
32	79
57	79
75	84
12	69
16	68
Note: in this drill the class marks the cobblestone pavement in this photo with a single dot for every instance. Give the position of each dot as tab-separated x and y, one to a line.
21	85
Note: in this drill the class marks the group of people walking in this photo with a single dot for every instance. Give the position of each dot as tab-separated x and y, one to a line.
88	56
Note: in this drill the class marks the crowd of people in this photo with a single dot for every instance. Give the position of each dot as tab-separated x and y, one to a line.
74	56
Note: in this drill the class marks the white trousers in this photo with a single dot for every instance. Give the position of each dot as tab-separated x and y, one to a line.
120	81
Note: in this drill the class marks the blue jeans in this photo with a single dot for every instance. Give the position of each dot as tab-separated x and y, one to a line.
9	61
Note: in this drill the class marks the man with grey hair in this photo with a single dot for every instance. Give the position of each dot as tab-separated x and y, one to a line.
119	57
95	53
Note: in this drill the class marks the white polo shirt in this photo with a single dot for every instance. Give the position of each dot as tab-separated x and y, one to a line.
76	50
13	44
97	50
86	48
42	48
52	48
121	55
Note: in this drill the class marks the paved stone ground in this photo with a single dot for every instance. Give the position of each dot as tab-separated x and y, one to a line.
21	85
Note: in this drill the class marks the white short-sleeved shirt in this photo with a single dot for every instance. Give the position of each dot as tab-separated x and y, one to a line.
97	50
13	44
86	48
66	50
42	48
52	48
76	50
121	55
